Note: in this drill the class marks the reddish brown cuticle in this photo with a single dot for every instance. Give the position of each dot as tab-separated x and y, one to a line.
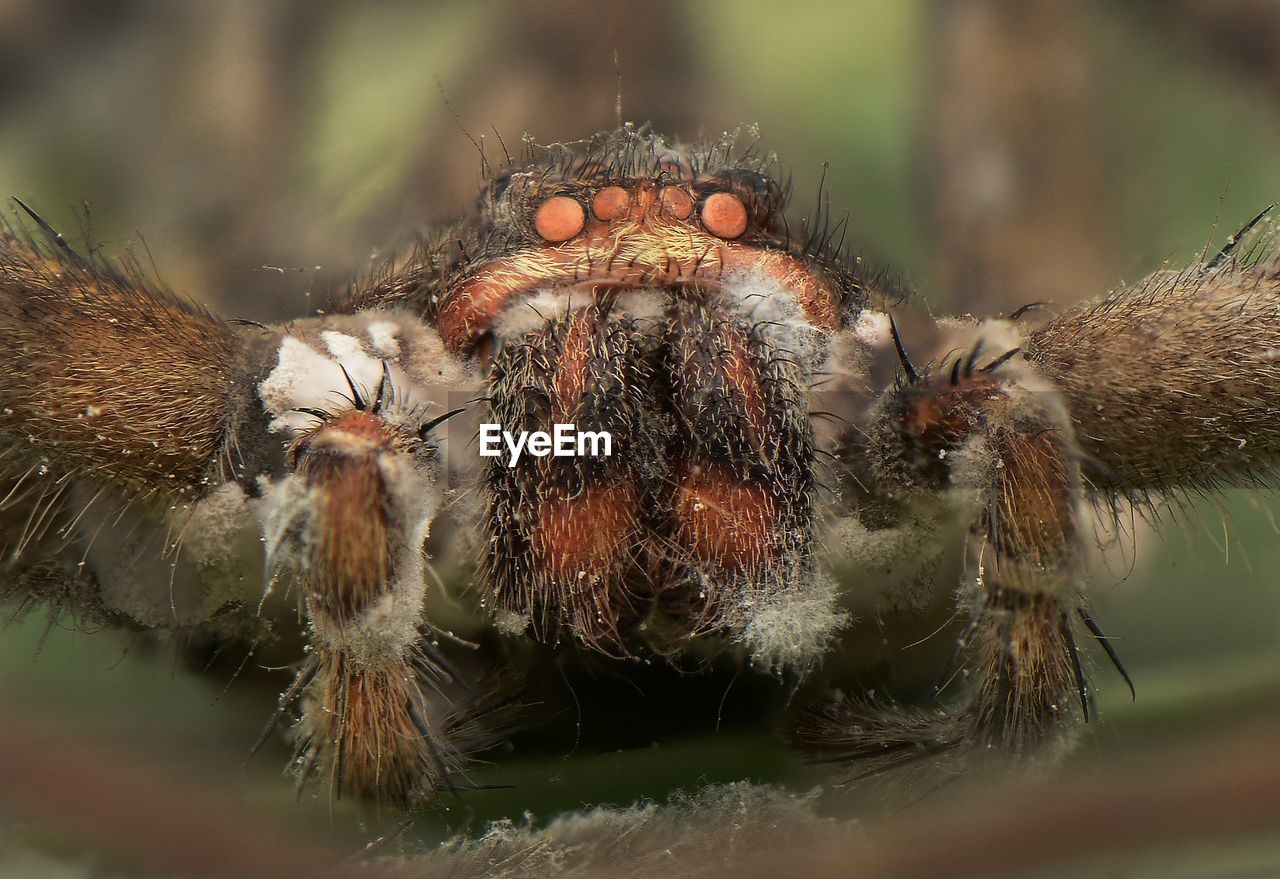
676	203
585	532
725	520
469	312
724	215
559	218
610	203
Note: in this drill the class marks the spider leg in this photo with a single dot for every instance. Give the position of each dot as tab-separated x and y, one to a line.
1170	385
1031	558
1001	448
111	378
122	407
1174	383
116	390
378	709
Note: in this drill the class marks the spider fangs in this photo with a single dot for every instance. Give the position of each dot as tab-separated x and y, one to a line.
158	455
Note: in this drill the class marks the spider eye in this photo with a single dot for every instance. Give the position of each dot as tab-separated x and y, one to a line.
724	215
559	218
610	203
675	202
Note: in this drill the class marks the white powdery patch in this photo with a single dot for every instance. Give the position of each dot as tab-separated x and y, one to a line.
424	359
304	377
647	306
846	370
791	628
536	311
313	353
999	335
894	567
220	539
767	303
718	830
216	520
873	328
996	335
286	521
880	550
345	347
384	337
173	567
972	468
511	623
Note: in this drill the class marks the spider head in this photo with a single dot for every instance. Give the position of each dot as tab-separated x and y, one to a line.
653	294
630	213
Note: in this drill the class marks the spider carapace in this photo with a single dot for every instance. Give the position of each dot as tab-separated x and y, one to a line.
658	297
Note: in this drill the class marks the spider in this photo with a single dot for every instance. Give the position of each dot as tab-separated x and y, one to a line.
766	423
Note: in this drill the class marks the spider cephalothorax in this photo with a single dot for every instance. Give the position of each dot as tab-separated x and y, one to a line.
658	297
654	295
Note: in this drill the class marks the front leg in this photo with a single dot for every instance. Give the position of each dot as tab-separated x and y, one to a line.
994	442
349	520
147	447
1030	562
1005	443
124	410
1167	386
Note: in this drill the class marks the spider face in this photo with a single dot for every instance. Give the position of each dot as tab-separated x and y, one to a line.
588	230
658	296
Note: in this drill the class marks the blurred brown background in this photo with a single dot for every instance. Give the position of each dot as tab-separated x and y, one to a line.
993	153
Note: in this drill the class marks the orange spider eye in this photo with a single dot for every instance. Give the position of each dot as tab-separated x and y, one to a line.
724	215
676	203
610	203
559	218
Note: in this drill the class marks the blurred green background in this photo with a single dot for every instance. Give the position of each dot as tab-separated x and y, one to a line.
991	153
